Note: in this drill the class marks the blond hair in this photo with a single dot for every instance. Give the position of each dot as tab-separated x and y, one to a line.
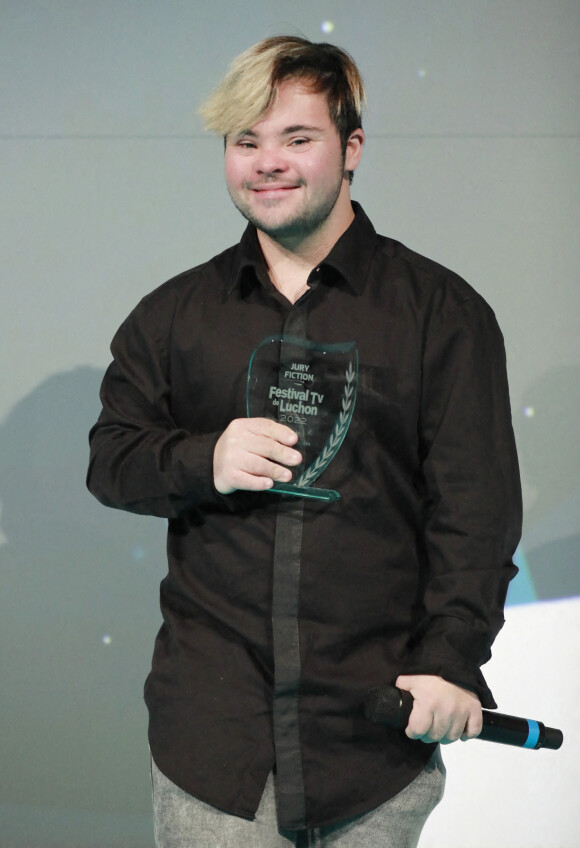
251	84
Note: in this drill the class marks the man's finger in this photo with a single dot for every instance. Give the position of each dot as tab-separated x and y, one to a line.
473	725
420	722
273	430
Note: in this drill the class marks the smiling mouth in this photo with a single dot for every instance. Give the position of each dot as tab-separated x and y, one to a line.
272	195
272	189
272	185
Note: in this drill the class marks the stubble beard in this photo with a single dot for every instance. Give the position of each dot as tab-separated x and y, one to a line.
297	225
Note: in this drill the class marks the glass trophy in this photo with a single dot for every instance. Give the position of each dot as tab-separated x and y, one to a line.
311	388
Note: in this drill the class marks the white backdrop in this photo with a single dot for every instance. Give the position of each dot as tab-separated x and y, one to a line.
110	187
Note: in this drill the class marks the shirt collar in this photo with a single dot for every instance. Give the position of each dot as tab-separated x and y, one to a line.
350	257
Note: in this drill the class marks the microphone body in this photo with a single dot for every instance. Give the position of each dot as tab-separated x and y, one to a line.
392	707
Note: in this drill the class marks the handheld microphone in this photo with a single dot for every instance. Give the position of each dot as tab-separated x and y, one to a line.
392	707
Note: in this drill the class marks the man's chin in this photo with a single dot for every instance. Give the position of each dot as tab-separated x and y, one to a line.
292	228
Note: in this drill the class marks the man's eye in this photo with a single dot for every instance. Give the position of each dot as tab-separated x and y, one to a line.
296	142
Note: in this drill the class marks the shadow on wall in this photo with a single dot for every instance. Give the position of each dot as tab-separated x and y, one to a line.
78	614
549	448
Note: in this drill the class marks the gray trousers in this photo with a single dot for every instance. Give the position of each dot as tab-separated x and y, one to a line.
182	821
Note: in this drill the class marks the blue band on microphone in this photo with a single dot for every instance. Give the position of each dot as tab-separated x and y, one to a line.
533	734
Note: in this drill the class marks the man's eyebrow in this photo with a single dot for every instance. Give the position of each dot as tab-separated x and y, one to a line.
295	128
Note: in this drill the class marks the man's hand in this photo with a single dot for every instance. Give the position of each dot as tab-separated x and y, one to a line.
252	453
442	712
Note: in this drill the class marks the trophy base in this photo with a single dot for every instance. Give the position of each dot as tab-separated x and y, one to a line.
328	495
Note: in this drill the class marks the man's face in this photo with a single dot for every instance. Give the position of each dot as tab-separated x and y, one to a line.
286	173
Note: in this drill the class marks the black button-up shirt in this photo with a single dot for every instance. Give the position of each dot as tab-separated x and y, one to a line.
280	614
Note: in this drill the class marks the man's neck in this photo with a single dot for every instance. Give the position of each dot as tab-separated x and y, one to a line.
289	264
288	271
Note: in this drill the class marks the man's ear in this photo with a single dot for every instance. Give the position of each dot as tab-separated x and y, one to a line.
354	147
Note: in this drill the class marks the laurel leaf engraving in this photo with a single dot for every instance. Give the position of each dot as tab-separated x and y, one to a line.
336	436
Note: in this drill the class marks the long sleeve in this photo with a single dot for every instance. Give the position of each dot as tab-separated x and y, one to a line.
140	460
472	496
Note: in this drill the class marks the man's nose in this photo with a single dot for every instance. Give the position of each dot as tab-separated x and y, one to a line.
270	160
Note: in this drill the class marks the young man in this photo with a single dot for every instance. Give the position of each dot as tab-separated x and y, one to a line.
281	613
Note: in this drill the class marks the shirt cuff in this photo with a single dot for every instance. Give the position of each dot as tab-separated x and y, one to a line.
192	470
439	655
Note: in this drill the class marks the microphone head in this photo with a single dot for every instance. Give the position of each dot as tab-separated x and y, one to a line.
383	706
